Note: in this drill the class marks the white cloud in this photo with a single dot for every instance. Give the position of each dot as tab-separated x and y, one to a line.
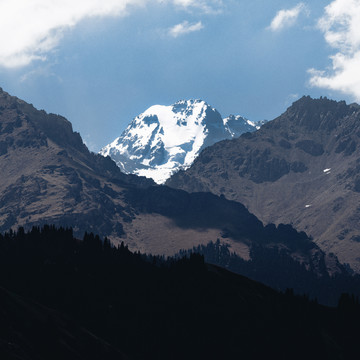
285	18
185	28
43	71
341	27
30	29
291	98
207	6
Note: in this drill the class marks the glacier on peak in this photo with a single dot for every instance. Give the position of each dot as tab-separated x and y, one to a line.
165	139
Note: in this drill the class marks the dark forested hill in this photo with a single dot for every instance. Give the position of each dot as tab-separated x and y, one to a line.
301	168
29	330
154	310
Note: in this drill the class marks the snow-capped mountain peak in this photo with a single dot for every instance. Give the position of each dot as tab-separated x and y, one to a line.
164	139
237	125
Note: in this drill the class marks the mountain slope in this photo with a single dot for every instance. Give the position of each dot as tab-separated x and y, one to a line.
164	139
301	168
49	177
48	174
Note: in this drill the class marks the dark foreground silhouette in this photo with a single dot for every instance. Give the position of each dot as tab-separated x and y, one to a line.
62	298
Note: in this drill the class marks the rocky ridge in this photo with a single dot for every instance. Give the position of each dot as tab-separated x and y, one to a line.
301	168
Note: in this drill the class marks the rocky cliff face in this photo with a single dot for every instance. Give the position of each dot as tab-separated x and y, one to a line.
301	168
164	139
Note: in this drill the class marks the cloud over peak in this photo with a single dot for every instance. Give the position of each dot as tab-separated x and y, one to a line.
341	27
287	17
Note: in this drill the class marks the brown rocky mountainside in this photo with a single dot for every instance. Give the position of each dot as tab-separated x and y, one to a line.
49	176
302	168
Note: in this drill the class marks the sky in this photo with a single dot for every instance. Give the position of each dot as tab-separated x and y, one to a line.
100	63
